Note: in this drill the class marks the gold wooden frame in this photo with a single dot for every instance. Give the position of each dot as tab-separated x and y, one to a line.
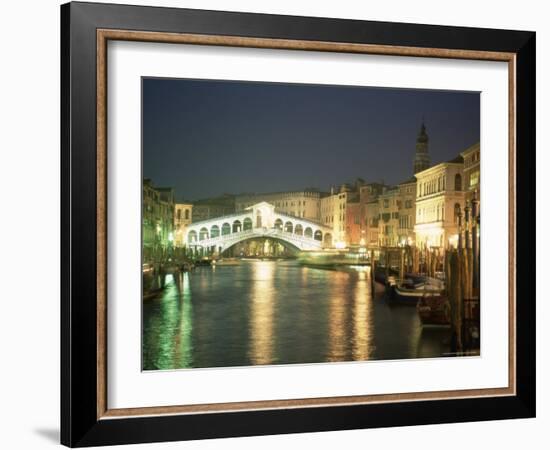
103	36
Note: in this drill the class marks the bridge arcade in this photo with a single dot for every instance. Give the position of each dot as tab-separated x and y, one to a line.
258	221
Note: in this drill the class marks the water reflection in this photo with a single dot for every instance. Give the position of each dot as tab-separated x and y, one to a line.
265	312
158	348
184	344
362	317
337	317
261	312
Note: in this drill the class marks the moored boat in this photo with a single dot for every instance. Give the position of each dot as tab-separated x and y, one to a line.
226	262
409	292
434	311
380	274
329	259
203	262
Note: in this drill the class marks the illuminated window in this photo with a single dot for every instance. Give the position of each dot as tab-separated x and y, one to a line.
474	178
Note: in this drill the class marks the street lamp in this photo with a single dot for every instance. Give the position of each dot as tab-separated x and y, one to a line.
453	241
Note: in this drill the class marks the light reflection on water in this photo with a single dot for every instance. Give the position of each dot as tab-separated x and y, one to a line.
362	316
266	312
261	313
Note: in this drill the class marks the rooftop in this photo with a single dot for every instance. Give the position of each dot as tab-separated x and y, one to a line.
409	181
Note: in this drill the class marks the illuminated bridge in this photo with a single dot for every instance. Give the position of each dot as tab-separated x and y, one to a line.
258	221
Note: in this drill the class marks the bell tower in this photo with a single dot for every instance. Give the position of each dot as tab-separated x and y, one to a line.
421	157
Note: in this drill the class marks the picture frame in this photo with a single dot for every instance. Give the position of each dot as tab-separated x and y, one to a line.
86	418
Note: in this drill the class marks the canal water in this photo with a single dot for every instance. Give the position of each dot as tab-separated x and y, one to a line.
278	312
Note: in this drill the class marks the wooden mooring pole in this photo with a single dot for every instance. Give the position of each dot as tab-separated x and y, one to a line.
401	263
416	260
387	263
372	272
455	299
475	261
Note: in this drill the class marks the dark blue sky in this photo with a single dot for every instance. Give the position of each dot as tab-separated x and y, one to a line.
205	138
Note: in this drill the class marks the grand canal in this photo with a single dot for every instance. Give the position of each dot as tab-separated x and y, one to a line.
278	312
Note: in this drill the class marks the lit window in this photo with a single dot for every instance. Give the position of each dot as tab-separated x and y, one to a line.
474	178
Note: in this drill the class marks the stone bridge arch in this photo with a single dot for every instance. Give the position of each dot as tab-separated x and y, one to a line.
258	221
283	242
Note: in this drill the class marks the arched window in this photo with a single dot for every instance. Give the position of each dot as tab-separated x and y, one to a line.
247	224
308	232
226	229
298	230
186	214
458	182
192	236
288	227
278	224
328	239
237	226
214	231
318	236
203	234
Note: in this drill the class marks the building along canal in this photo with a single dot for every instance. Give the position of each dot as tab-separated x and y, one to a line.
258	312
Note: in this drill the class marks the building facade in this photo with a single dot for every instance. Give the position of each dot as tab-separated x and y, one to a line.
333	213
355	231
183	216
370	212
406	206
372	221
210	208
304	204
388	224
439	199
471	173
157	216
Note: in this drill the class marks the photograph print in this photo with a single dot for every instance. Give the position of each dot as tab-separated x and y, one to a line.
299	223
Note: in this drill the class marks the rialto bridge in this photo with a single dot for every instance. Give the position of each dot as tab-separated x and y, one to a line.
258	221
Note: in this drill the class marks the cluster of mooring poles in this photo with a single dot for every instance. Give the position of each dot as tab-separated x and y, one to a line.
462	281
460	266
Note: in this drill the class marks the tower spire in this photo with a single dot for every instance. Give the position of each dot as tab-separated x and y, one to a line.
421	157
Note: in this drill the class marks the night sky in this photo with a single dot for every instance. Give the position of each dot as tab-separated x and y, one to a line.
206	138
